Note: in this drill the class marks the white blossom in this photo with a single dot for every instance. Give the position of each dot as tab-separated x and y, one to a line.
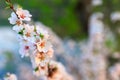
24	15
43	33
43	46
10	77
39	59
26	48
34	41
14	19
19	16
115	16
40	71
28	32
18	28
97	2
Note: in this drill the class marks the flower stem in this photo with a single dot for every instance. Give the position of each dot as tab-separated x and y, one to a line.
12	7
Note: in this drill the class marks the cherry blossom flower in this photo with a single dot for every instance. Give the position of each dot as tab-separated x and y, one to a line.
10	77
56	71
40	71
19	16
39	59
14	20
26	48
115	16
43	46
43	34
18	29
50	52
34	41
28	32
24	15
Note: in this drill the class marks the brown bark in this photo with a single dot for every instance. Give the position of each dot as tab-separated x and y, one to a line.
83	12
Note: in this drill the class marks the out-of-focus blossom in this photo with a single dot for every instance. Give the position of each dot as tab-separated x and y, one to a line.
96	2
56	71
3	60
40	71
115	72
96	27
50	52
115	16
94	52
10	77
25	72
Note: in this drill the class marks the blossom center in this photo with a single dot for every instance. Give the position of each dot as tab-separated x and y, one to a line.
42	44
18	22
22	16
27	34
26	47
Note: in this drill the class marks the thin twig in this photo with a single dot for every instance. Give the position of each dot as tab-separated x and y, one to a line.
12	8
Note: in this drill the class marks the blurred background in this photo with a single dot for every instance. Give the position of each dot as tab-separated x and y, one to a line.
86	37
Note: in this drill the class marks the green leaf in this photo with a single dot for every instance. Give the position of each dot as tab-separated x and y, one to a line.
7	3
41	36
21	32
35	28
36	69
8	7
34	35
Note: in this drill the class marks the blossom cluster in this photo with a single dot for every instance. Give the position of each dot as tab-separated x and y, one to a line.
34	41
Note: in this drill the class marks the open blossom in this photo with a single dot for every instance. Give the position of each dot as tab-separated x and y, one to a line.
43	46
23	14
39	59
43	34
18	28
28	32
26	48
10	77
14	20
